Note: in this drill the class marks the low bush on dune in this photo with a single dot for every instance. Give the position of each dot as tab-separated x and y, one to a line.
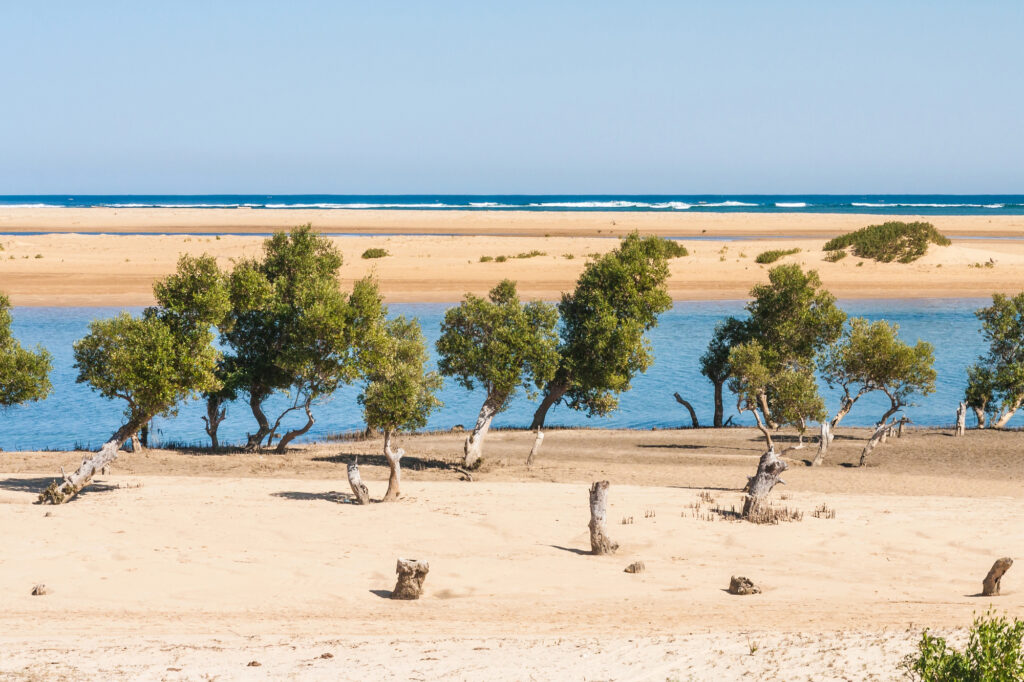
766	257
891	241
672	249
834	256
375	253
993	653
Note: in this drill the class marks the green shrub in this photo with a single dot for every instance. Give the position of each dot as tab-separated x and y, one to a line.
501	259
894	240
993	654
673	249
531	254
834	256
771	256
375	253
486	259
568	256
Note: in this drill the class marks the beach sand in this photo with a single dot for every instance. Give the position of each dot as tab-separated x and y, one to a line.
118	269
180	565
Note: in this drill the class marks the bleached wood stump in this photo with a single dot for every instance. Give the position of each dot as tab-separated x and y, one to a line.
359	488
769	473
990	586
537	441
961	419
411	574
600	543
742	586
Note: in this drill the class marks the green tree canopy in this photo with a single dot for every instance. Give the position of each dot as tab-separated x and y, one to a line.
617	299
500	344
714	364
996	381
24	374
870	357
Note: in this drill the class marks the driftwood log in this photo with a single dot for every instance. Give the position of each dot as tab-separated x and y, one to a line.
600	543
61	491
538	439
411	574
689	407
769	472
359	488
740	585
961	419
990	586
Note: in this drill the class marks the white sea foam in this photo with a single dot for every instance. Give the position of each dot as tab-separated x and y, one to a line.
592	204
31	206
908	205
791	204
677	205
725	204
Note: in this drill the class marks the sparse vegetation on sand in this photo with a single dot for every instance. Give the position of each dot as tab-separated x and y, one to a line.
773	255
993	653
375	253
891	241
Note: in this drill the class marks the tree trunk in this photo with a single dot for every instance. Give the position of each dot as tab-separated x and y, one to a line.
282	444
552	395
395	463
215	414
60	492
823	442
411	574
474	446
256	399
689	407
844	410
719	407
764	429
876	437
979	414
136	443
537	440
990	586
600	543
769	472
355	481
1000	422
961	419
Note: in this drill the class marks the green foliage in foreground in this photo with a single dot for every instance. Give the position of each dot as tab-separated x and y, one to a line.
24	375
375	253
995	383
766	257
891	241
993	654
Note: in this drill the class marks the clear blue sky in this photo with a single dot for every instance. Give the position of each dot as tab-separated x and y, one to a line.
525	97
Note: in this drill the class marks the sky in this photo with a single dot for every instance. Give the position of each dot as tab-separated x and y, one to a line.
516	97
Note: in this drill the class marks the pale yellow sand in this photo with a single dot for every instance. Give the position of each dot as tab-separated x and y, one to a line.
265	561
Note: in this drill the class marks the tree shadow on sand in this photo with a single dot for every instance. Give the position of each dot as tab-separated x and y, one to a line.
329	496
574	550
408	462
38	485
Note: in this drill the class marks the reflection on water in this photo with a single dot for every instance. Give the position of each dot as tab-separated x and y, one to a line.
74	414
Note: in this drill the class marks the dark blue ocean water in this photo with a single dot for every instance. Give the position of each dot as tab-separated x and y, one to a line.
899	204
74	414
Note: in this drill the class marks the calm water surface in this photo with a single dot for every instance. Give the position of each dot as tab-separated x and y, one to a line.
74	414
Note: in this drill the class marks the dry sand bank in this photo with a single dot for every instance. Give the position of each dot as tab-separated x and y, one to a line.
76	269
522	223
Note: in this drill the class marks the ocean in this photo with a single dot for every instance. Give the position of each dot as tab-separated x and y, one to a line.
74	414
888	204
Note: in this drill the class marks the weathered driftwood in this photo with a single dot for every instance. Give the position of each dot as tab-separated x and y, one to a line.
990	586
411	574
473	450
877	437
600	543
903	421
823	442
636	567
359	488
769	472
537	440
961	419
39	590
394	458
61	491
689	407
740	585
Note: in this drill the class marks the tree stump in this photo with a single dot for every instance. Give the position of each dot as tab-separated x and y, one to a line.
961	418
742	586
537	441
636	567
990	586
769	472
39	590
411	574
823	442
600	543
359	489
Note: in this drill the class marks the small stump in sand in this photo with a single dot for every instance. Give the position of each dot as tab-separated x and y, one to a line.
600	543
636	567
740	585
39	590
990	586
411	574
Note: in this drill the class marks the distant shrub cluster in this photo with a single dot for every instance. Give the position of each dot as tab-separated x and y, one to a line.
375	253
993	652
891	241
771	256
502	259
672	249
837	255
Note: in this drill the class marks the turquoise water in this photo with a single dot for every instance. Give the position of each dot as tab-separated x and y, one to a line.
74	414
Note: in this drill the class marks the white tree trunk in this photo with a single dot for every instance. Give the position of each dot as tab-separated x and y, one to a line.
979	414
961	419
769	473
411	574
823	442
600	543
1000	422
394	458
359	488
474	447
538	439
71	484
876	437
